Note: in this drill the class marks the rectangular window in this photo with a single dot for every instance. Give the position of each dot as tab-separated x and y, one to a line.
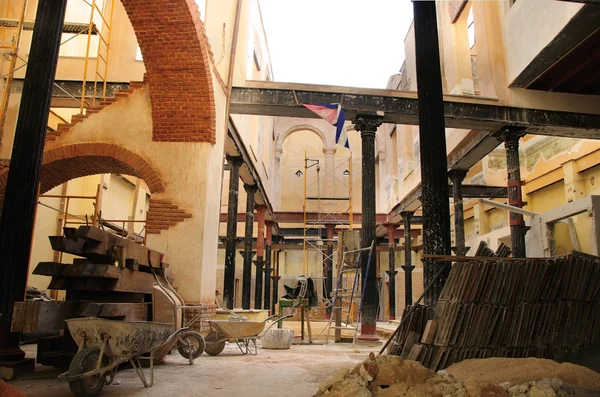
471	28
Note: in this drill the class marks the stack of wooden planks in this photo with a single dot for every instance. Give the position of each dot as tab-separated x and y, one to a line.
110	279
548	308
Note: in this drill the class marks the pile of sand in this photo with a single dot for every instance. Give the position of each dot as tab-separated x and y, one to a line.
521	370
8	391
391	376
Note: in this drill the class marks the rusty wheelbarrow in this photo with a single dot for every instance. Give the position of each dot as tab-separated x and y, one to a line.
243	333
104	344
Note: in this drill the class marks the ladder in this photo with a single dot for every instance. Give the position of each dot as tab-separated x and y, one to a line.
343	291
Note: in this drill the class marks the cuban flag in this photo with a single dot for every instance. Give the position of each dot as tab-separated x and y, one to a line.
333	113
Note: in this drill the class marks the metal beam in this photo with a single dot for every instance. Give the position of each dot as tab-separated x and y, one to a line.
298	217
507	207
412	201
286	99
248	170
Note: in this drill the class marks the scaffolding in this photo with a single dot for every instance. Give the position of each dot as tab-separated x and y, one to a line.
102	54
321	210
11	30
9	51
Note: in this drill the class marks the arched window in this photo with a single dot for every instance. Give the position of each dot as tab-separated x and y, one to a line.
471	28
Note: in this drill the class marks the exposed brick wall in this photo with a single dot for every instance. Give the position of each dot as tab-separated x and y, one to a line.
162	214
210	313
64	163
455	7
177	59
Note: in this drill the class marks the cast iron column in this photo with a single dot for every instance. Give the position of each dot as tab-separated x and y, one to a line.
515	198
432	137
392	271
232	212
275	277
267	303
260	251
248	254
329	267
457	177
367	125
20	200
408	267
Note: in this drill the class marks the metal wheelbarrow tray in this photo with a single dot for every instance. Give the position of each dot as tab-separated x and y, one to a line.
244	333
104	344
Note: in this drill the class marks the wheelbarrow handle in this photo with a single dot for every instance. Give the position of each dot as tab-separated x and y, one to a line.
280	319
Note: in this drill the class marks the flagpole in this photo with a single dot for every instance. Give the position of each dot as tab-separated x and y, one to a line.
350	209
304	208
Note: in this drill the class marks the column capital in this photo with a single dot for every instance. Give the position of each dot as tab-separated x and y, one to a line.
391	227
330	150
511	135
250	188
407	215
367	124
457	176
235	161
278	153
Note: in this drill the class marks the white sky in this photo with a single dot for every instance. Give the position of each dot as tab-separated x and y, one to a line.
356	43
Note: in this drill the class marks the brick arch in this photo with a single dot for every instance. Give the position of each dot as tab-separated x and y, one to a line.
177	58
64	163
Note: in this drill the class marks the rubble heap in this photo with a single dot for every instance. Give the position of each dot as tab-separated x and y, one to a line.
392	376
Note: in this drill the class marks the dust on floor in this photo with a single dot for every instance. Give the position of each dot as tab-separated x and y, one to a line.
294	372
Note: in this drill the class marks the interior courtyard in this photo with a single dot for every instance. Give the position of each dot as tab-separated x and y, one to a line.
158	179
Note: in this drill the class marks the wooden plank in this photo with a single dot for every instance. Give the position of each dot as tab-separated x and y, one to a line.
41	316
49	269
125	311
86	269
67	245
128	281
134	250
410	341
90	233
429	332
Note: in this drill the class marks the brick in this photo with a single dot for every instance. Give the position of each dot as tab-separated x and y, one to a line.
178	75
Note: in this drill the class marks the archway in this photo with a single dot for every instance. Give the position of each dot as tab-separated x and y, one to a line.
64	163
178	69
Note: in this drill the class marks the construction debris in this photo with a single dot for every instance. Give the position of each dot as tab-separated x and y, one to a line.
391	376
537	307
521	370
8	391
111	279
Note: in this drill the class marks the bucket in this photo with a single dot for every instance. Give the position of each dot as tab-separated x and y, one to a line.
278	339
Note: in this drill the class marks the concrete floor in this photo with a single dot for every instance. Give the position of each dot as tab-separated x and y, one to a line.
294	372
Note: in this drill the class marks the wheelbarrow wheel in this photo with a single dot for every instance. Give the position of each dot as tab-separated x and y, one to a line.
84	361
193	345
213	346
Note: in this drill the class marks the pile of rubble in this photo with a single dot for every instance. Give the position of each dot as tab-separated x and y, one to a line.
392	376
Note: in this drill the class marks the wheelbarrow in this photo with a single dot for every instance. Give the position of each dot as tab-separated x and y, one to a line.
104	344
243	333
